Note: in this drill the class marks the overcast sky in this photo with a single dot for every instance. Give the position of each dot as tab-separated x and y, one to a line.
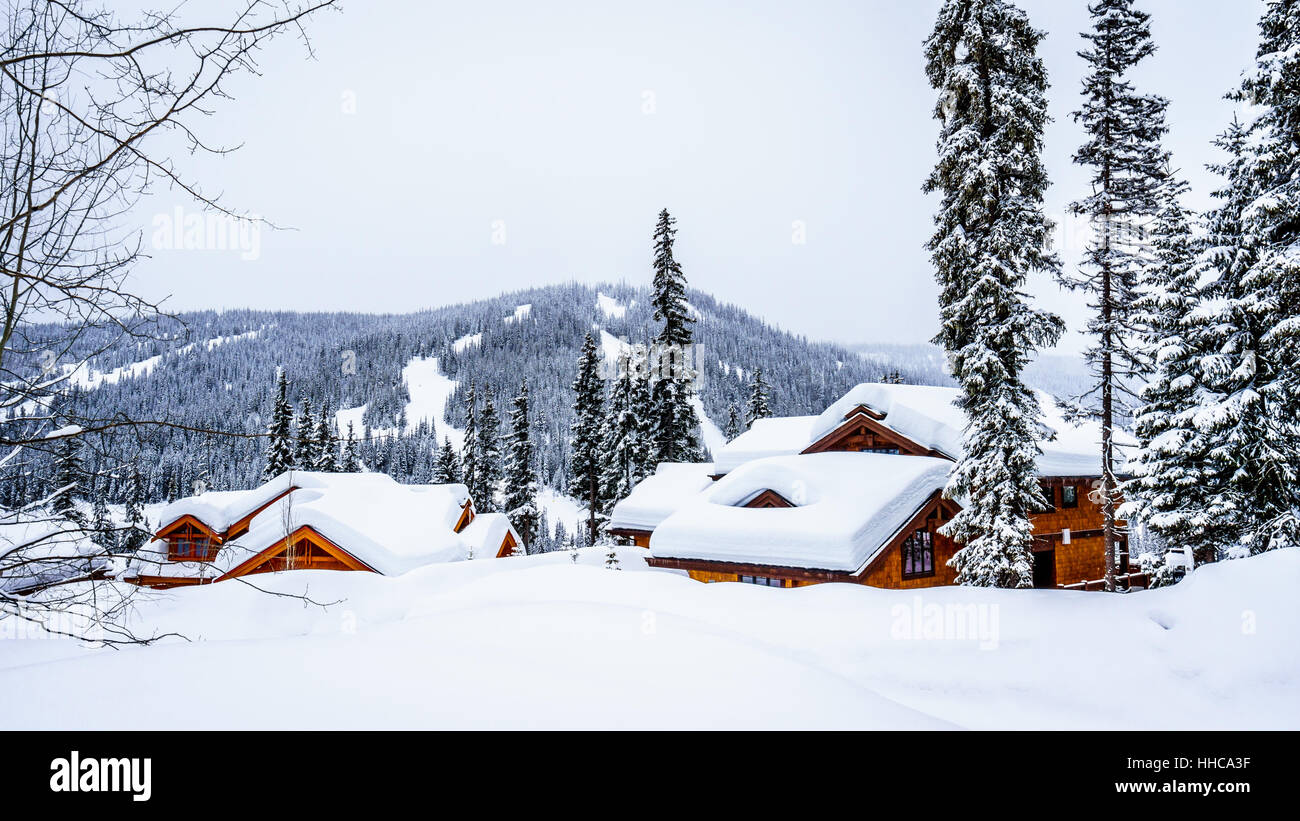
441	152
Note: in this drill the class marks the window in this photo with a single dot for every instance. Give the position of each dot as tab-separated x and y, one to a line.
894	451
1069	496
918	555
763	581
1049	493
189	543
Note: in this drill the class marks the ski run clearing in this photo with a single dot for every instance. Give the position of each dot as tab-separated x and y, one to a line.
537	642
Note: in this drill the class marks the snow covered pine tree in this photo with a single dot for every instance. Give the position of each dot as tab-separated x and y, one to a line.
675	423
279	449
1251	260
520	475
1128	167
991	233
584	437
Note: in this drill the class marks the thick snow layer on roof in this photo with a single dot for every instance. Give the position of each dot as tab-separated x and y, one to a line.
389	526
777	436
219	509
923	413
486	533
657	496
928	416
847	508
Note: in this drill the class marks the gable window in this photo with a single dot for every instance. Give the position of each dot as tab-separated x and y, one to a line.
1069	496
189	543
894	451
763	581
918	554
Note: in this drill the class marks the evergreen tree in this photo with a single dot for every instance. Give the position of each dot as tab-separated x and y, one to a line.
520	475
733	428
304	458
489	458
279	449
676	426
1251	266
1172	490
350	462
446	470
137	528
104	532
585	435
626	438
326	445
1128	164
990	234
470	450
69	479
759	403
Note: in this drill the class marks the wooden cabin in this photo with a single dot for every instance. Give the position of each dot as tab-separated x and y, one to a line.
904	421
306	520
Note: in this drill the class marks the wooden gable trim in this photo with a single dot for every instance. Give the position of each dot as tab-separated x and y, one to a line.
863	420
466	516
946	510
768	498
306	531
187	519
508	545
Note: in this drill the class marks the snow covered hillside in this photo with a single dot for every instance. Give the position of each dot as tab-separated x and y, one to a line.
538	642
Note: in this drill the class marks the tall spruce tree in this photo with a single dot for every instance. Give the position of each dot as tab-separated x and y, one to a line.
446	469
69	479
279	449
304	457
326	445
470	450
626	439
676	426
1251	261
733	427
350	461
585	436
759	405
1171	490
102	527
1127	163
990	235
520	472
489	458
137	527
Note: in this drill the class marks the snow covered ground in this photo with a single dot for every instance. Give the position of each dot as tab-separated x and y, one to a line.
538	642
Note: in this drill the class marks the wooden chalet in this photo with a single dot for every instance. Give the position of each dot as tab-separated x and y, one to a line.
304	520
894	424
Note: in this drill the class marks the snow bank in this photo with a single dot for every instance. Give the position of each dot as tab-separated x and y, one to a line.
847	508
447	646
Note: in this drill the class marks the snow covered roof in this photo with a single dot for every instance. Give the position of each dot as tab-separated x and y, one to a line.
928	416
658	495
219	509
848	506
487	533
776	436
389	526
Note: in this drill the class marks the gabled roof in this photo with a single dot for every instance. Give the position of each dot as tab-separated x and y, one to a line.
388	526
655	497
487	533
776	436
848	507
926	415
